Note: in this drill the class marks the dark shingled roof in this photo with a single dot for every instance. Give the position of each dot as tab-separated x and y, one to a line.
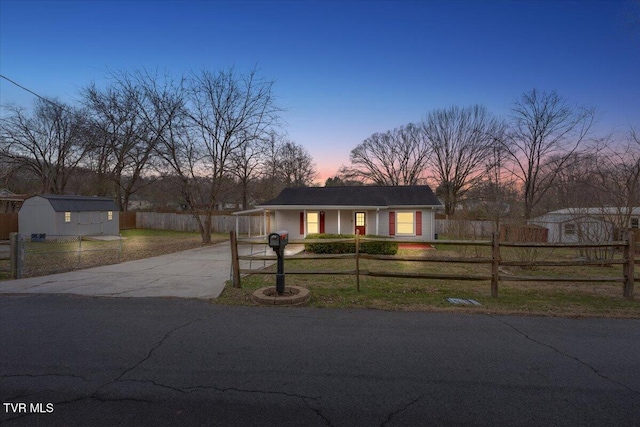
413	195
80	203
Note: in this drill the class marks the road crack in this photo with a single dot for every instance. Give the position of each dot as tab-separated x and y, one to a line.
401	410
239	390
149	354
305	399
570	356
157	384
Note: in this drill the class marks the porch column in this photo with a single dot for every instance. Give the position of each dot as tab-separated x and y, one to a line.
273	227
433	225
338	221
377	221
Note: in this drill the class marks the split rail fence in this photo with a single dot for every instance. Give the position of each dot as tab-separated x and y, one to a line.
495	261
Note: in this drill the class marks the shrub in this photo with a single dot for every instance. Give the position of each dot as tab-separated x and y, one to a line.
374	248
330	248
379	248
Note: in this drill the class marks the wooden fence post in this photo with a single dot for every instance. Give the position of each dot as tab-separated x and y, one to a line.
628	266
495	264
358	260
17	255
235	262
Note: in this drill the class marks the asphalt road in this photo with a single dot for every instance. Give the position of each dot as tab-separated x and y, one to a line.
142	361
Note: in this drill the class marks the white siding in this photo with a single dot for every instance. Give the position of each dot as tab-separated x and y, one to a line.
113	226
586	229
36	216
290	220
331	221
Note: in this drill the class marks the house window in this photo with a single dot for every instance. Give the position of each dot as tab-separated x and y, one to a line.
67	217
109	215
313	222
360	219
569	229
405	223
634	223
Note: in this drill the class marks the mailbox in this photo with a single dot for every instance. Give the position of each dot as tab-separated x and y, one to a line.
278	240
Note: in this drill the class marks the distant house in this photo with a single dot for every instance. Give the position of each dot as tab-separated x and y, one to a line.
68	216
10	202
405	212
586	224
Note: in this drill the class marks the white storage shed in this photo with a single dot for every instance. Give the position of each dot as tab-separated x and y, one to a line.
55	215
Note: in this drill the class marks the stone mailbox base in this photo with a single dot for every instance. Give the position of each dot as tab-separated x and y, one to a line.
292	295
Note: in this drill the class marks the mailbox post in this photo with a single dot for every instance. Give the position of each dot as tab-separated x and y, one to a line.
277	242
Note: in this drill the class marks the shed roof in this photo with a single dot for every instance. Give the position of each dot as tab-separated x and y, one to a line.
365	196
567	214
604	210
80	203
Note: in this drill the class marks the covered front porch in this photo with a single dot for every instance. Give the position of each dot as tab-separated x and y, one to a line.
302	222
332	221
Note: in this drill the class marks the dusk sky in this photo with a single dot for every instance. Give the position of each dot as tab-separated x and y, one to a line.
342	70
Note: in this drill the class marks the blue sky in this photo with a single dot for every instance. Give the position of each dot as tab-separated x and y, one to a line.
342	70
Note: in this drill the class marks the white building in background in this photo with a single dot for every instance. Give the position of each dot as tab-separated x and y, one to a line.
55	215
573	225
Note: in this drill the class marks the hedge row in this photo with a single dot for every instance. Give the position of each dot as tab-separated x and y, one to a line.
373	248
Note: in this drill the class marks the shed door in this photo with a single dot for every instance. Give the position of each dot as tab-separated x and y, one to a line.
361	223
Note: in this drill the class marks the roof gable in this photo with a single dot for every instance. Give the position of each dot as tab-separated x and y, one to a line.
80	203
366	196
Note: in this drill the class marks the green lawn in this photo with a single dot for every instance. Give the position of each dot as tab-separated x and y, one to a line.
410	294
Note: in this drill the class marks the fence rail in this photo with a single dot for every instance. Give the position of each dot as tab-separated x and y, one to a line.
494	261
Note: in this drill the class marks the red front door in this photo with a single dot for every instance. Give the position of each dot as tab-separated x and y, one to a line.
361	223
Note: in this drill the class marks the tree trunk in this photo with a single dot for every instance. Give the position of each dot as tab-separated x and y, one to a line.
206	229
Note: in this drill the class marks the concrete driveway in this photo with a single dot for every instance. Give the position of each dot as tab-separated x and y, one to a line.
196	273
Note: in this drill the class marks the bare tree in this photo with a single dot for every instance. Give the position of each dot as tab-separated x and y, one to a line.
572	187
270	181
295	165
124	142
496	195
223	113
245	164
338	181
397	157
50	142
460	140
616	177
284	164
545	133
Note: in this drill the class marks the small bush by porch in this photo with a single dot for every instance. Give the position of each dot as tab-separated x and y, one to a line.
374	248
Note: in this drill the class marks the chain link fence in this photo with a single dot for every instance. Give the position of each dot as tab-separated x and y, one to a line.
40	254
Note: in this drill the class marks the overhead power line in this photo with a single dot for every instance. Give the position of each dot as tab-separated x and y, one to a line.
32	92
